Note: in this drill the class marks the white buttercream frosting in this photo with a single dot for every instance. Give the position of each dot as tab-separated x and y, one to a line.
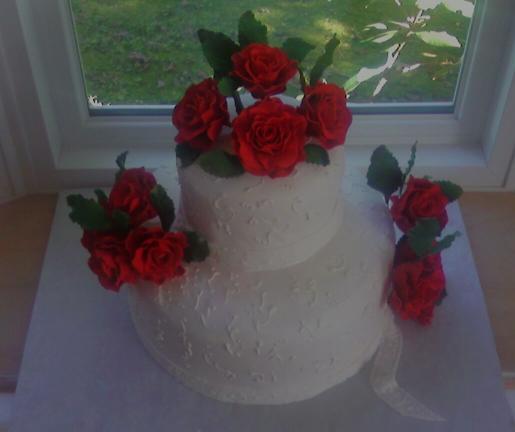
273	336
258	223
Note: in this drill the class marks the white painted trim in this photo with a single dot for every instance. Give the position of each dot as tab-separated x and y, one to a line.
6	189
458	146
510	181
12	181
499	138
26	148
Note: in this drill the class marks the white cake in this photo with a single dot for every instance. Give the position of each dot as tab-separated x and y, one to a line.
259	223
292	299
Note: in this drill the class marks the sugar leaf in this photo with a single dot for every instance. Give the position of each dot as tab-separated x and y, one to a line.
324	61
220	164
164	206
250	30
198	248
384	173
316	155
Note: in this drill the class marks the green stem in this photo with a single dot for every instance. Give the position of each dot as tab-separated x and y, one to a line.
237	102
302	80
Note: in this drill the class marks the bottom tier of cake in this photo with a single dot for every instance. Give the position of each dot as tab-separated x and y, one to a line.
278	336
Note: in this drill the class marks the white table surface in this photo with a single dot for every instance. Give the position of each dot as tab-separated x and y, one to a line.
85	370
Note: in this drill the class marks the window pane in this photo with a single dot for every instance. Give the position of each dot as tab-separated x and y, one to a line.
147	52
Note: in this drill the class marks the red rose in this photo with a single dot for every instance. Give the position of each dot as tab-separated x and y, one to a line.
88	240
325	109
131	194
421	199
269	138
200	115
156	254
418	284
109	259
263	70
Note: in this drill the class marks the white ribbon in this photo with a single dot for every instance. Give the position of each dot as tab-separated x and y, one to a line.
384	383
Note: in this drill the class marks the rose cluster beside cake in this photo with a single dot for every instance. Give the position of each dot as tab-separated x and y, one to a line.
287	268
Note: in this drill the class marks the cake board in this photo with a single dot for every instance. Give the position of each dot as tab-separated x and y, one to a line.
84	368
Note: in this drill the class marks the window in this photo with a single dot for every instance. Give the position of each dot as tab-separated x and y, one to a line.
140	52
461	118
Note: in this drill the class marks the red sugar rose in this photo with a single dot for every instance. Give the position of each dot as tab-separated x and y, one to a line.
418	284
269	138
325	109
156	255
200	115
421	199
263	70
109	259
88	240
131	194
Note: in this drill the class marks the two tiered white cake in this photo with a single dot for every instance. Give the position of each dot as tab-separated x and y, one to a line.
291	300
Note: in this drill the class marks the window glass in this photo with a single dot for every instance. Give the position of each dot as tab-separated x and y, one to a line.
147	52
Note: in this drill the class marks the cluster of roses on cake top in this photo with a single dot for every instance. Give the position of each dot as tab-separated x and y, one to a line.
418	208
268	137
127	233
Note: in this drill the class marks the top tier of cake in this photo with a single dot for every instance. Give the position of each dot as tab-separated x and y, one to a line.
258	223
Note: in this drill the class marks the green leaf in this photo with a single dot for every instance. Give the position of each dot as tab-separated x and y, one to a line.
352	83
120	160
411	162
88	213
384	174
466	8
250	30
220	164
439	39
444	243
227	86
382	37
164	206
198	248
186	154
302	79
451	190
297	48
377	26
316	155
101	196
324	61
120	220
218	49
422	236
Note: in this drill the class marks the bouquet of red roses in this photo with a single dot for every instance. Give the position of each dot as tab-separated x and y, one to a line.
418	208
269	137
124	243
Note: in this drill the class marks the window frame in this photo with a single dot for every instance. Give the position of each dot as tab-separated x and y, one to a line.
466	145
